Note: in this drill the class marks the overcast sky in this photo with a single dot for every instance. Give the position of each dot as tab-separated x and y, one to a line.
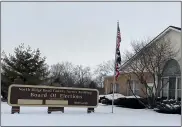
83	33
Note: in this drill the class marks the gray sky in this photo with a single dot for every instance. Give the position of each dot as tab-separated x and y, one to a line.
83	33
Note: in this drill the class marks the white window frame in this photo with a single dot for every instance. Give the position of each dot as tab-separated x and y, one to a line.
177	80
176	87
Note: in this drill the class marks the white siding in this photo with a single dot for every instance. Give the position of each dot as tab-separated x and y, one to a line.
175	38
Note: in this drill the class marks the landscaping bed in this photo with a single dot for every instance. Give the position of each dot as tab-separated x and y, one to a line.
122	101
163	106
169	107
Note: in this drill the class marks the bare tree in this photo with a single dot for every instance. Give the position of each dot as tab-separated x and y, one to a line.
82	76
150	58
98	80
105	68
93	85
68	75
63	73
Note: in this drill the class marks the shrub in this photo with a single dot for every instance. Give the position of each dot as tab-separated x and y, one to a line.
120	101
123	101
3	100
106	101
110	96
101	98
169	107
130	103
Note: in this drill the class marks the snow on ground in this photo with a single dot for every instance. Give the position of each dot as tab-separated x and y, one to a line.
110	96
132	96
116	96
37	116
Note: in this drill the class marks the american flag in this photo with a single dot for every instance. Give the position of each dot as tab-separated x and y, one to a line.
117	55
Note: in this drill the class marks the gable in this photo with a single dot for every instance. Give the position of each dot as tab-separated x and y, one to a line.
172	33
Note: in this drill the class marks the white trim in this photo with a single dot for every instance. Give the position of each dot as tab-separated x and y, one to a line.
174	29
168	89
176	87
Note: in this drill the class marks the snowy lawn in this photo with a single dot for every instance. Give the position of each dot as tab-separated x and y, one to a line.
37	116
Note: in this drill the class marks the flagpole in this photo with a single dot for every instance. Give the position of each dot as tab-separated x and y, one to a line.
114	80
107	87
113	86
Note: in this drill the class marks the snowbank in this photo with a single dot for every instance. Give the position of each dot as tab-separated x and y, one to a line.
110	96
132	96
116	96
101	96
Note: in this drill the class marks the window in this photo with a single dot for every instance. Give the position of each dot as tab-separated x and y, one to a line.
179	88
117	88
111	88
134	87
129	92
171	87
165	87
172	72
137	87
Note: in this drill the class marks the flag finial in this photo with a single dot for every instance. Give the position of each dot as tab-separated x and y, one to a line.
118	22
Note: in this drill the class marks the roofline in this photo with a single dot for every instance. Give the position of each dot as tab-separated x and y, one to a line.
177	29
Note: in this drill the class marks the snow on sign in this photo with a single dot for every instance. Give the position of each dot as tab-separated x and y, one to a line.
29	95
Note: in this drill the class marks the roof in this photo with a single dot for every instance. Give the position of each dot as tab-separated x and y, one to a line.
157	37
178	28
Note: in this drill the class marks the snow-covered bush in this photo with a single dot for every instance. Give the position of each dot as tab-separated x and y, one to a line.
110	97
123	101
133	103
169	106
